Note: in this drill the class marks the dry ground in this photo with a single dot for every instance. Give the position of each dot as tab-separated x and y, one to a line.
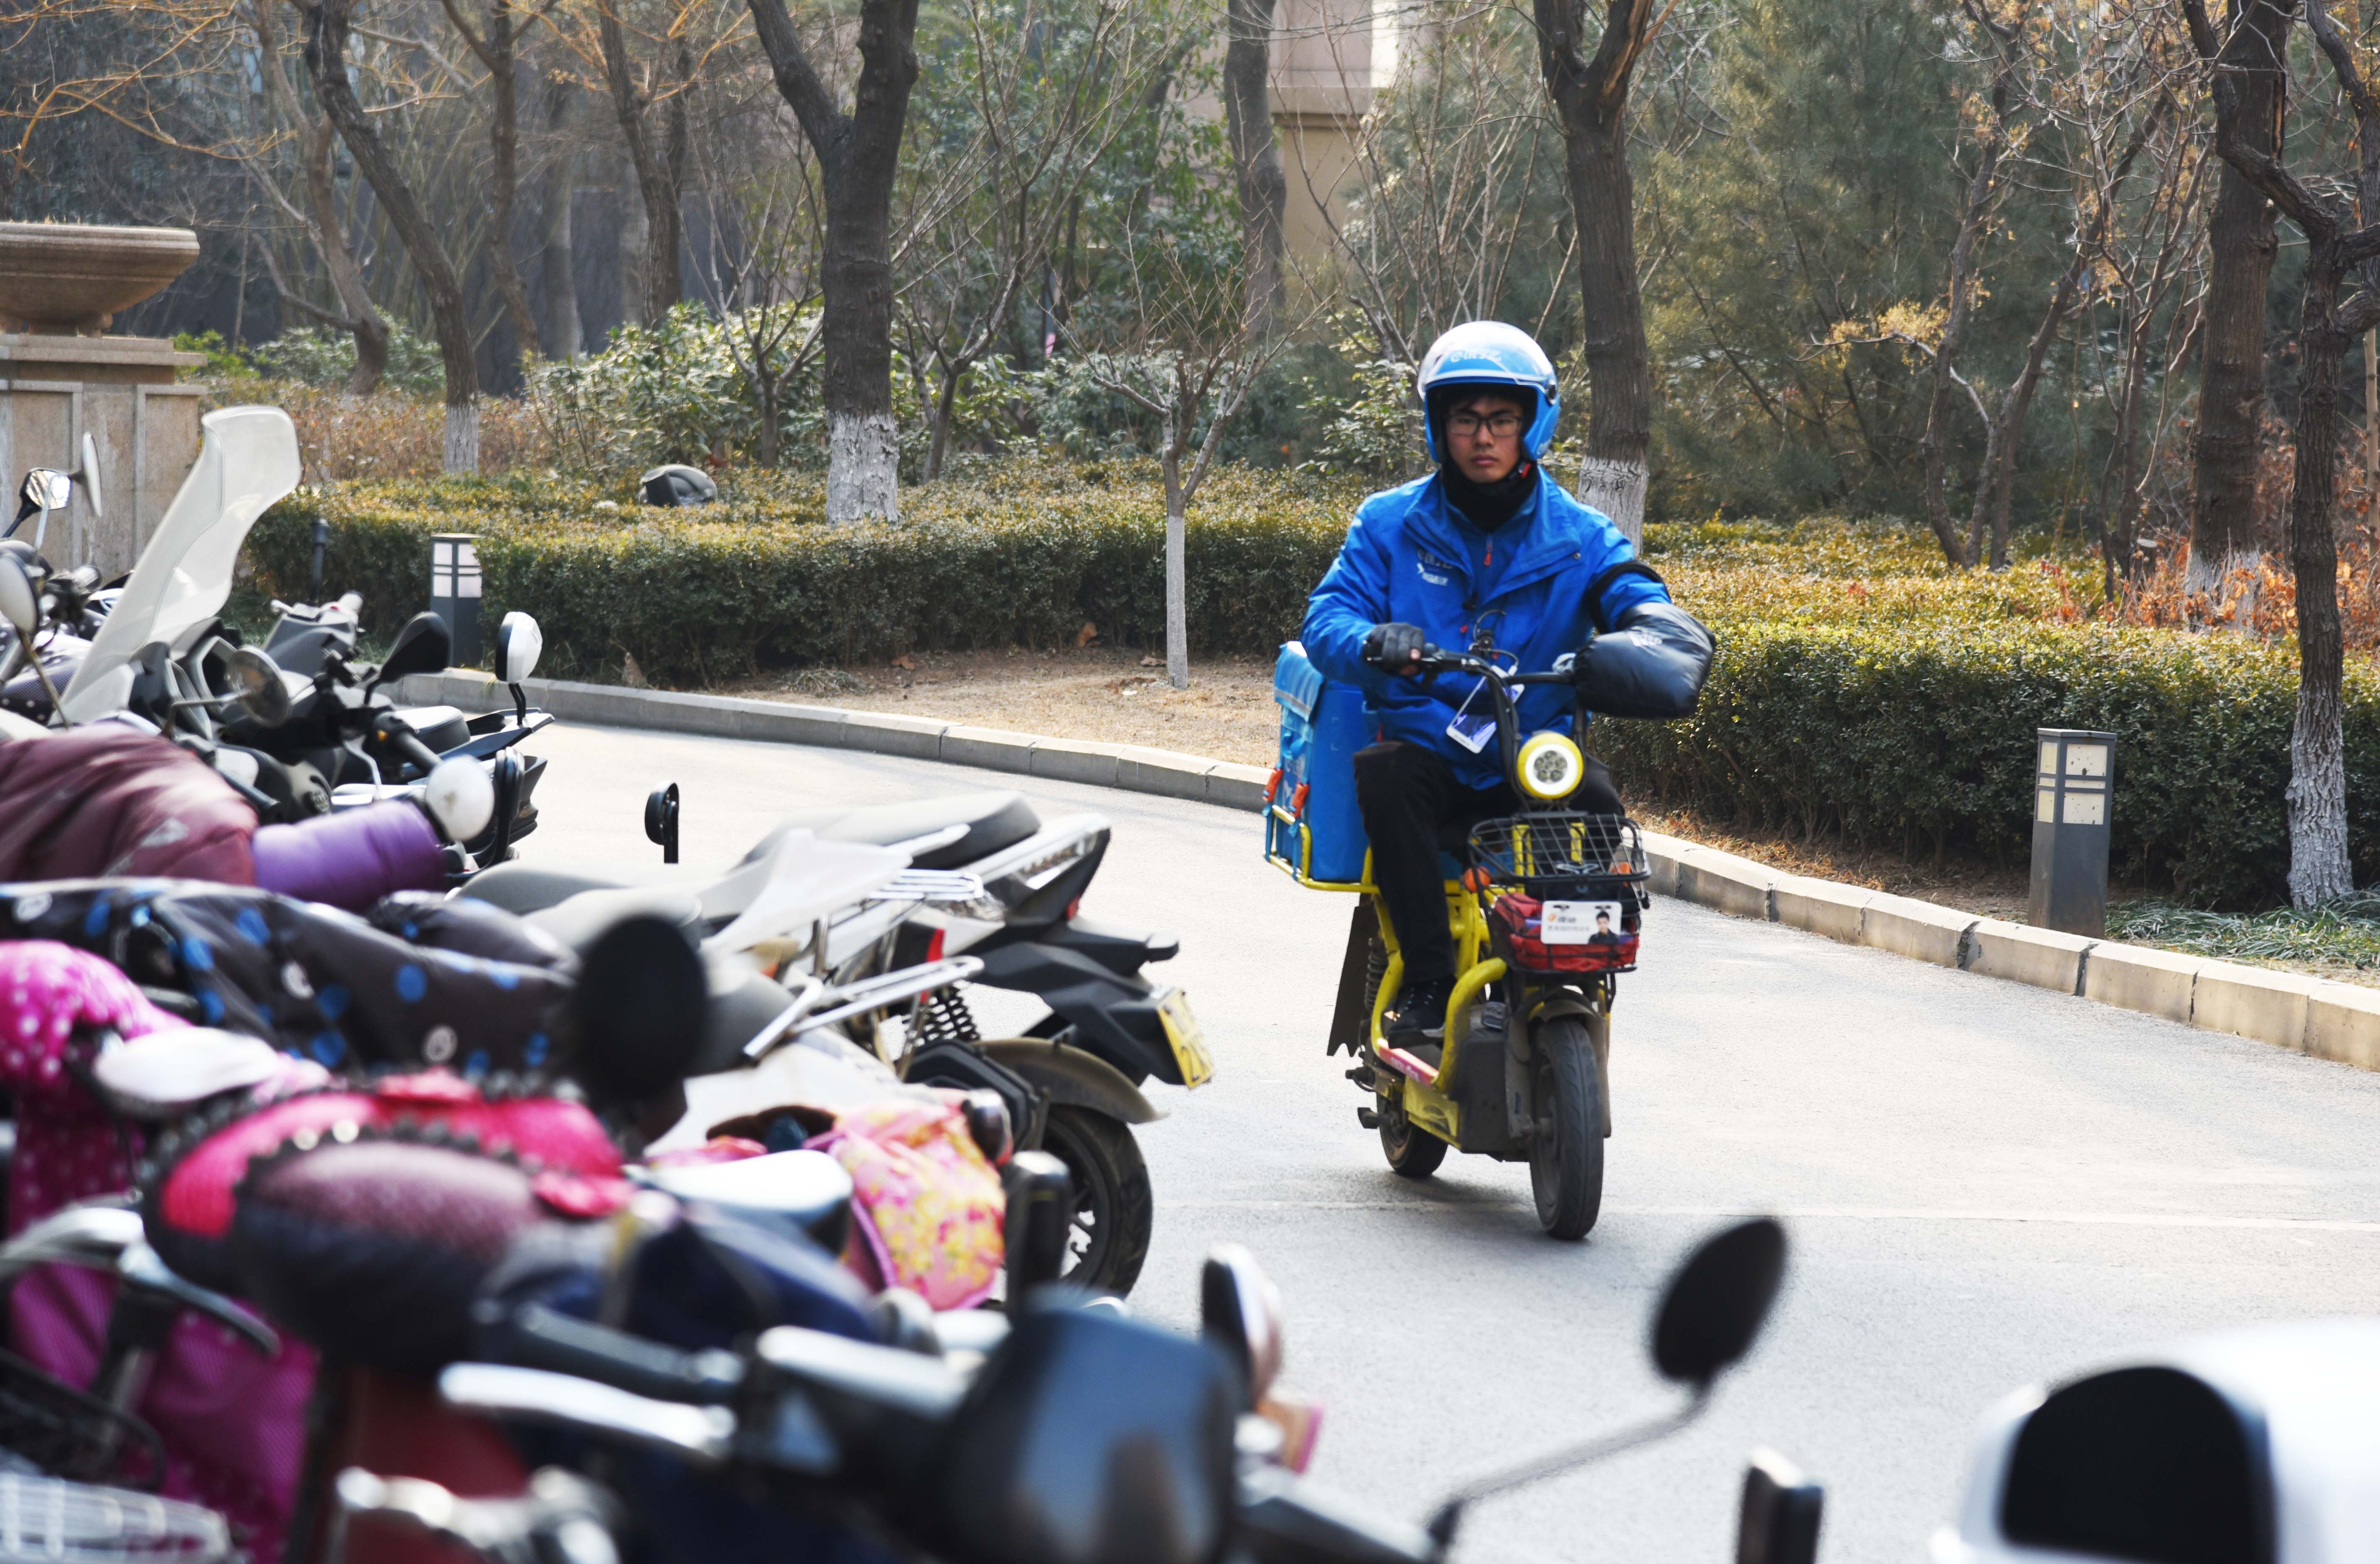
1121	696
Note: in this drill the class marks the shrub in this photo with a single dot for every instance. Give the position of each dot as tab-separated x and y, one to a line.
317	355
1920	737
1022	554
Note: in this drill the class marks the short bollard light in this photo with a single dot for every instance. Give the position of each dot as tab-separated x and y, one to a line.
454	590
2072	770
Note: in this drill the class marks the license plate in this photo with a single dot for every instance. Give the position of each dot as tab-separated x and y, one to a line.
1579	923
1189	1043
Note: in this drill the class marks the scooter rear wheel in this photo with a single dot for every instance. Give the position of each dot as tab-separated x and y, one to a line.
1412	1152
1114	1212
1566	1156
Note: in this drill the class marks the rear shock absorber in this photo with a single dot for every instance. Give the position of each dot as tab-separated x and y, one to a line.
944	1017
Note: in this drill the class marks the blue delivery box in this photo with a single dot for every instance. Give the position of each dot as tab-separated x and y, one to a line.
1311	826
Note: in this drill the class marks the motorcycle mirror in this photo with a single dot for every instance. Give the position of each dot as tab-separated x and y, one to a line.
258	686
1089	1438
1778	1522
423	645
461	798
1718	1300
518	645
1040	1207
1239	1311
86	474
639	1008
46	489
20	605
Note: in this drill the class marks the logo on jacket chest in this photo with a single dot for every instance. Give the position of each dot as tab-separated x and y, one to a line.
1434	570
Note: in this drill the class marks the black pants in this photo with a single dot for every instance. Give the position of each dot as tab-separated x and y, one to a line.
1412	803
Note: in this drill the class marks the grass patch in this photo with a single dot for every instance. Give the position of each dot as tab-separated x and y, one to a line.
2344	934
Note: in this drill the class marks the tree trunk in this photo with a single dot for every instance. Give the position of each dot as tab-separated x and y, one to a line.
1177	550
2240	248
566	335
326	63
656	174
499	53
1935	443
1255	158
1590	100
938	451
2317	797
858	154
635	247
365	322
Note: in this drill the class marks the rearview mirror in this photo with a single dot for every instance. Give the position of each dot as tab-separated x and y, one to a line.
1778	1522
1718	1302
46	489
1239	1311
519	644
258	686
20	604
87	475
423	645
1090	1438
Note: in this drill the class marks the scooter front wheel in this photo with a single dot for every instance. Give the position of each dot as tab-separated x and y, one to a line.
1114	1211
1566	1155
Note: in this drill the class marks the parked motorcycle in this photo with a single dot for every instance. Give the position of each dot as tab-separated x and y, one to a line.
1545	909
1072	1081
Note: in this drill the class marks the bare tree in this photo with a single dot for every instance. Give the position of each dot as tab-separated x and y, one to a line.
1994	134
1263	188
320	221
765	279
1186	350
497	45
2328	327
328	24
985	220
2242	247
858	154
660	172
566	333
1590	99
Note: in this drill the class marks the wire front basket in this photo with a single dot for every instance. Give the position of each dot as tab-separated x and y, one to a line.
1559	852
60	1429
50	1521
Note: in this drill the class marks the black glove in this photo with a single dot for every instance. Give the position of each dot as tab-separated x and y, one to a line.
1652	665
1394	647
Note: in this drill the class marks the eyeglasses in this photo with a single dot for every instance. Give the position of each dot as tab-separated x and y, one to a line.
1503	426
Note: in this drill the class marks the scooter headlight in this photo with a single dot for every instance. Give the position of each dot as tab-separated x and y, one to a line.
1550	766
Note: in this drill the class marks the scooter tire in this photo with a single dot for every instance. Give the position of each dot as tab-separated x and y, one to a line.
1412	1152
1566	1158
1114	1211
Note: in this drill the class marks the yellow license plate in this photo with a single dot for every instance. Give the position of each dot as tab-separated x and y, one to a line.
1189	1043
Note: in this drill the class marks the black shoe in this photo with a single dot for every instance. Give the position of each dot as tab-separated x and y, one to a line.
1420	1016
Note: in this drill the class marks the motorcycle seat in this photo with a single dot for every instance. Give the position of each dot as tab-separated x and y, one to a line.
522	889
994	821
581	920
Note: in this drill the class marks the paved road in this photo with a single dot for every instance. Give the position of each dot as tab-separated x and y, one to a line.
1985	1183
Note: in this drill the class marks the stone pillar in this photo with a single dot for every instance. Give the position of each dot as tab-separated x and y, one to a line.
60	379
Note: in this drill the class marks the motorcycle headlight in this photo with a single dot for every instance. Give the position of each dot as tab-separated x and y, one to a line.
1550	766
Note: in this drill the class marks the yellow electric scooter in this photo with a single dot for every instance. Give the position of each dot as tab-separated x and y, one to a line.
1545	909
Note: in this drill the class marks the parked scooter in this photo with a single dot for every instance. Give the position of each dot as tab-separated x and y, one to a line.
1072	1081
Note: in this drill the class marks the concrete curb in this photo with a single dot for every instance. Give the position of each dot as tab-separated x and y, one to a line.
2326	1019
1131	767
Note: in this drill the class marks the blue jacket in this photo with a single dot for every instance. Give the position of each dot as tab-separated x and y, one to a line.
1405	562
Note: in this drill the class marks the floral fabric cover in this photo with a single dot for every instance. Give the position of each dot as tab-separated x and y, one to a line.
928	1208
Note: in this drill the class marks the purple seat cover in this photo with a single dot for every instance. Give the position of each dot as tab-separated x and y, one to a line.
353	859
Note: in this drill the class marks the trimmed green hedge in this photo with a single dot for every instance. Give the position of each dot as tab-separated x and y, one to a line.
700	595
1893	707
1920	739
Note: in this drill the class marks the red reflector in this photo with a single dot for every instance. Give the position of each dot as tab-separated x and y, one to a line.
934	945
1272	784
1297	800
1073	908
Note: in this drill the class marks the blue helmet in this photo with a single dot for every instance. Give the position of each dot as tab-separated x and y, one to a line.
1489	353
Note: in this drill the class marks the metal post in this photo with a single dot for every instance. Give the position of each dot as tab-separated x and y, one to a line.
2072	774
454	591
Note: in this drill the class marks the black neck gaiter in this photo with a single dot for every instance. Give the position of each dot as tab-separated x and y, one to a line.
1488	507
